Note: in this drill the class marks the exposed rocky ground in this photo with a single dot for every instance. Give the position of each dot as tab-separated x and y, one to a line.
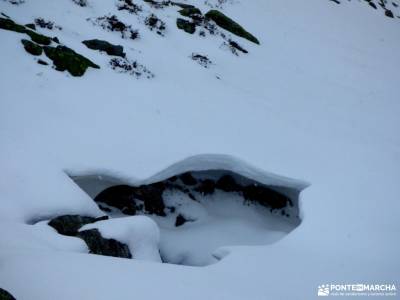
390	8
149	198
189	19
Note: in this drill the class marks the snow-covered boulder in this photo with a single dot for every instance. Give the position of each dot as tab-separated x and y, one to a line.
97	244
139	233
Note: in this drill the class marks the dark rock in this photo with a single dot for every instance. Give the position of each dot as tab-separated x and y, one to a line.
4	295
172	179
382	4
112	23
81	3
228	184
157	4
182	5
372	4
237	46
32	47
70	224
105	46
190	12
129	6
230	25
31	26
389	13
154	23
8	24
119	196
103	208
46	24
180	220
151	195
186	26
16	2
201	60
124	65
102	246
56	40
42	62
123	197
39	38
188	179
265	196
129	211
65	58
206	187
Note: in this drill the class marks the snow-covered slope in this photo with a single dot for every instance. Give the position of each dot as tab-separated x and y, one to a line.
315	103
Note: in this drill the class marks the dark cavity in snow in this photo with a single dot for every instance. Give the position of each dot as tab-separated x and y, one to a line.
200	211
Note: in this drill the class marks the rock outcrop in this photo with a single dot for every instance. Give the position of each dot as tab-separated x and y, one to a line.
230	25
101	45
102	246
70	224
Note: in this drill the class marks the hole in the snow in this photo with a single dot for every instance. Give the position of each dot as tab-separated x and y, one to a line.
200	211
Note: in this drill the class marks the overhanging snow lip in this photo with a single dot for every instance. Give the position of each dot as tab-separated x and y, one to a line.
201	162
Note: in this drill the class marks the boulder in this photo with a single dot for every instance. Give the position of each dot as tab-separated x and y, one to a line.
265	196
32	47
42	62
31	26
372	4
65	58
228	184
151	195
39	38
206	187
102	246
188	179
237	46
230	25
70	224
105	46
119	196
389	13
182	5
180	220
186	26
8	24
4	295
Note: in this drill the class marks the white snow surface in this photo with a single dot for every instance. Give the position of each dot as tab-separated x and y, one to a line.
215	221
317	101
139	233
